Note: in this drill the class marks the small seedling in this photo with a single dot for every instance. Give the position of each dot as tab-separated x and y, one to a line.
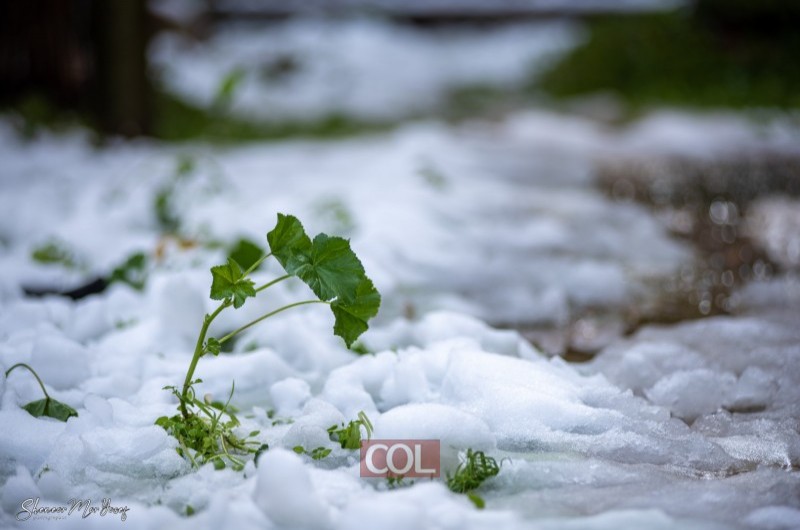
48	406
470	474
56	253
396	481
336	277
349	436
133	271
228	87
317	454
207	435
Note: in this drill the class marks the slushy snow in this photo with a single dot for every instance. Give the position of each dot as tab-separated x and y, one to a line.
692	425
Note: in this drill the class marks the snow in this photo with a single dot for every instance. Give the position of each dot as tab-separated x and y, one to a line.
774	223
285	494
366	68
687	425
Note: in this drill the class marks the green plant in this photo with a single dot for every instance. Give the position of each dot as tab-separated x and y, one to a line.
245	253
349	436
397	481
228	87
336	277
316	454
48	406
55	253
133	271
470	474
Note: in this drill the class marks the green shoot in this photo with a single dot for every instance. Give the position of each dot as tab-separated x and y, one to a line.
228	87
55	253
349	436
132	271
396	481
336	277
207	435
317	454
360	348
48	406
470	474
477	500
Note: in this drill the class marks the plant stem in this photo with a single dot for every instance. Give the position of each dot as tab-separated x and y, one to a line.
262	317
273	282
31	370
198	352
255	265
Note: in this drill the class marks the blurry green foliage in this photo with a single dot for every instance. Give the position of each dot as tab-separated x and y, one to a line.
178	120
678	58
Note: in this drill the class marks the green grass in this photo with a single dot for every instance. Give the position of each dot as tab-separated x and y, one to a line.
680	59
177	120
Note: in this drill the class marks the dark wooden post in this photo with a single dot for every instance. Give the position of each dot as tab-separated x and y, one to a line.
124	97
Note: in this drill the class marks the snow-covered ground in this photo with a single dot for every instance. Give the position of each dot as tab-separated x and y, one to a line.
366	68
693	425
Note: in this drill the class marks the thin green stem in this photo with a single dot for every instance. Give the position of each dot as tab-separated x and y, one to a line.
273	282
255	265
263	317
31	370
198	352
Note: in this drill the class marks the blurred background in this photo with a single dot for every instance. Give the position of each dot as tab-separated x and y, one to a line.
560	120
247	69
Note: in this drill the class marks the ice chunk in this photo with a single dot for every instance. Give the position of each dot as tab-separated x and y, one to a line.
253	373
143	451
310	430
289	395
60	362
692	393
774	224
285	494
28	442
754	390
455	429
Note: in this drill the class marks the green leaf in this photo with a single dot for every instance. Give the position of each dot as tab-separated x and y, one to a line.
349	436
229	283
289	243
51	408
54	252
245	253
132	271
228	87
258	452
332	270
299	449
477	500
352	316
319	453
212	346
